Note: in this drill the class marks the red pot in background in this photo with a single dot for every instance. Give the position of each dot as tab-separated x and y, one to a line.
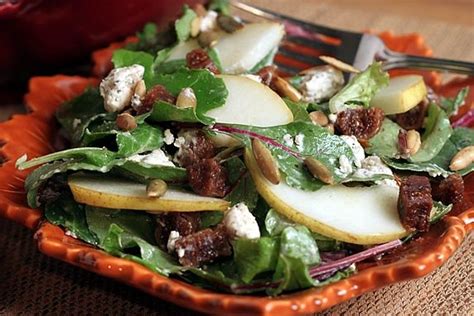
38	33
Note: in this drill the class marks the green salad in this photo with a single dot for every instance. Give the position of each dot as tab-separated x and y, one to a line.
198	159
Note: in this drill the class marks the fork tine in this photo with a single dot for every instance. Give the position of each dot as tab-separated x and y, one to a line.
268	14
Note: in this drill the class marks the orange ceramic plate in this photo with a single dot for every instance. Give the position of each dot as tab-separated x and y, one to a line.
33	134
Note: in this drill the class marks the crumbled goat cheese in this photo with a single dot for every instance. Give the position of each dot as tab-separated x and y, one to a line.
356	148
180	252
209	21
169	137
118	87
321	85
299	142
239	222
332	118
180	141
345	165
288	140
156	158
253	77
174	236
373	165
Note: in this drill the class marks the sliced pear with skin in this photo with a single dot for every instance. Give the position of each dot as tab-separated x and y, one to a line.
401	95
109	192
251	103
240	51
359	215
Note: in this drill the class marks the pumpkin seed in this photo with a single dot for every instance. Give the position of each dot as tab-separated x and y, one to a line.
462	159
126	122
336	63
285	89
413	141
156	188
319	118
319	170
266	162
186	99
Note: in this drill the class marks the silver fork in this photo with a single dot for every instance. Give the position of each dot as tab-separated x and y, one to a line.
305	41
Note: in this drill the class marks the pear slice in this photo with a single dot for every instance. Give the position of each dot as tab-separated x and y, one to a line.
402	94
251	103
359	215
110	192
240	51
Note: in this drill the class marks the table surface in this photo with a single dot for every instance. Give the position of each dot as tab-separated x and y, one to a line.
32	283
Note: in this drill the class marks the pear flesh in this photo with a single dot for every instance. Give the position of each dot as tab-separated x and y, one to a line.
359	215
240	51
251	103
109	192
401	95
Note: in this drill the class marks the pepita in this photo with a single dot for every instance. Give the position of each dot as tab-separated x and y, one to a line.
462	159
186	99
319	170
413	142
196	26
336	63
140	89
126	122
266	162
156	188
208	39
229	24
285	89
319	118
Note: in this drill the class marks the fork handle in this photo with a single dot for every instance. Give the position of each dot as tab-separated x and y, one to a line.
393	60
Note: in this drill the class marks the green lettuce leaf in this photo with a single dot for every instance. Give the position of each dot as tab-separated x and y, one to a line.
151	40
255	256
67	213
77	114
167	112
210	91
437	131
125	58
385	142
452	105
299	110
360	90
243	187
316	142
221	6
266	61
183	24
439	165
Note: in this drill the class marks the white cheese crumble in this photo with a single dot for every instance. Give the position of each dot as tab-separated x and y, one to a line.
209	21
373	165
321	84
253	77
239	222
156	158
299	142
169	137
288	140
345	165
356	148
179	142
171	244
180	252
136	101
118	87
332	118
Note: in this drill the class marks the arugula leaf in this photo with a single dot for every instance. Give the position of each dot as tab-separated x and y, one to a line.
255	256
439	165
437	131
183	24
209	219
143	172
210	91
124	58
68	213
360	89
315	141
276	223
141	139
299	110
221	6
121	231
150	40
164	111
385	142
298	250
439	211
452	105
243	187
77	114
